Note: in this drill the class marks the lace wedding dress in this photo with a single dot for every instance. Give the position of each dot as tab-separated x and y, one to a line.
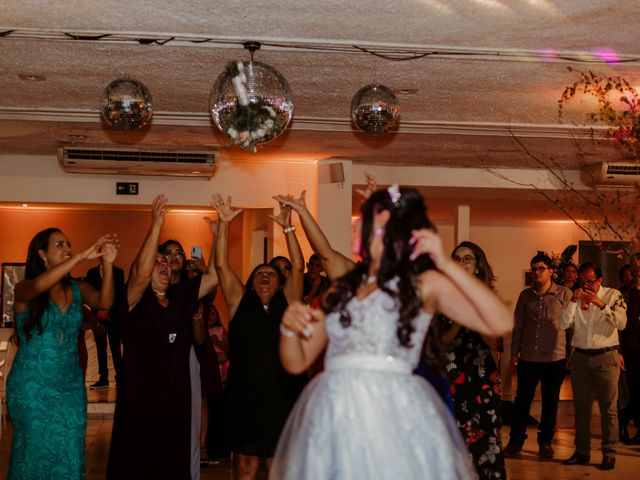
367	416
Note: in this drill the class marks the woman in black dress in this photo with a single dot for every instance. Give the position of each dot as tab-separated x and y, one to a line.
474	376
261	393
151	428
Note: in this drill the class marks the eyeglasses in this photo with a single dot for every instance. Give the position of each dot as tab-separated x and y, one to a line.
175	255
591	282
467	259
538	269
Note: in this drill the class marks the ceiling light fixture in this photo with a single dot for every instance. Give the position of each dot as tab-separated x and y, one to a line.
31	77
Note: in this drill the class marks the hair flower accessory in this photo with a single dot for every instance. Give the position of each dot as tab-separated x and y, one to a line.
394	193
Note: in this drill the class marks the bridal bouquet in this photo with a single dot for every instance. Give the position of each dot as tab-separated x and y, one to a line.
253	121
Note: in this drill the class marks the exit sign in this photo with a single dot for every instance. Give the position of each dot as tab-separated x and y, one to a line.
127	188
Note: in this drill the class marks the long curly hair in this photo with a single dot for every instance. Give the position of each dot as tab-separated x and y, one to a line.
35	266
407	213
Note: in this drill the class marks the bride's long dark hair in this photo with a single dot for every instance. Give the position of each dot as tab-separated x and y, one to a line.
408	212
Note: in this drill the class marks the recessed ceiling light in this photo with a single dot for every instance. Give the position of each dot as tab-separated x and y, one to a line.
25	205
31	77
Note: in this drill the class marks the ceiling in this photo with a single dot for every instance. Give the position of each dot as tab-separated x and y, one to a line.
478	73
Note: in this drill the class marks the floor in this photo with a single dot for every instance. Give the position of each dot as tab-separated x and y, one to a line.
525	467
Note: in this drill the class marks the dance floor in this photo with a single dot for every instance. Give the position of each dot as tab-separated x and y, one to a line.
525	467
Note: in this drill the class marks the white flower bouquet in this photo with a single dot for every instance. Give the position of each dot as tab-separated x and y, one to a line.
254	120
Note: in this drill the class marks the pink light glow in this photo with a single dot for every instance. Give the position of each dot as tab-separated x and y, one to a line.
548	53
606	54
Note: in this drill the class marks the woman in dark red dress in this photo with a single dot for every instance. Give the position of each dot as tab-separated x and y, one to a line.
152	424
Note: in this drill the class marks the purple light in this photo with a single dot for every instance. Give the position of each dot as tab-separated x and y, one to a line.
606	54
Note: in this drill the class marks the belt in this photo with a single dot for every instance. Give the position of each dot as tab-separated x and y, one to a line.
595	351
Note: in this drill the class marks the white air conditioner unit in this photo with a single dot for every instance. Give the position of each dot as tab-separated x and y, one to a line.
138	161
611	173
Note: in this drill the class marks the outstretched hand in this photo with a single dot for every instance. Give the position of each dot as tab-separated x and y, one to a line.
159	209
97	249
284	217
372	186
226	213
297	204
110	249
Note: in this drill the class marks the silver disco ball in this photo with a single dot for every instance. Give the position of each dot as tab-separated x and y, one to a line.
375	109
266	86
127	104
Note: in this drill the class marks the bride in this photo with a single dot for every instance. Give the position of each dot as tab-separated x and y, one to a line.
366	416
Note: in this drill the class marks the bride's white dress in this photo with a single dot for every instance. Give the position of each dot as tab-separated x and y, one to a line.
367	416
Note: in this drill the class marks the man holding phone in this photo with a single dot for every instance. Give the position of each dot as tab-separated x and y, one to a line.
596	313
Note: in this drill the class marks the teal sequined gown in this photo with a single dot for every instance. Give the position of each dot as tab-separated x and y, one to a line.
47	399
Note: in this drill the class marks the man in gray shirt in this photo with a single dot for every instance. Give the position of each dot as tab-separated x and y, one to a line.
538	348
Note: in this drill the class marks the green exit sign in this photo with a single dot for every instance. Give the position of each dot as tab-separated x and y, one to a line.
127	188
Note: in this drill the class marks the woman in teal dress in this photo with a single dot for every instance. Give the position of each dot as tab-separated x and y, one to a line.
45	389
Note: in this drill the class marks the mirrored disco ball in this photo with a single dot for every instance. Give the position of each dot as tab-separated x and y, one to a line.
127	104
264	84
375	109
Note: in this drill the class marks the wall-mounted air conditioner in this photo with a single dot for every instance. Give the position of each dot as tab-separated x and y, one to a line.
138	161
611	173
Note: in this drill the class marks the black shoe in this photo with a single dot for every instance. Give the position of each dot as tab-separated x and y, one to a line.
577	459
546	450
100	384
608	463
512	449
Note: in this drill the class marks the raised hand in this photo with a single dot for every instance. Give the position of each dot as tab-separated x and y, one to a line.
297	204
428	242
223	208
159	209
96	250
110	249
372	186
284	217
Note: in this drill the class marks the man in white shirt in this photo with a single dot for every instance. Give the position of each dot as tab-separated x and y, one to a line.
596	313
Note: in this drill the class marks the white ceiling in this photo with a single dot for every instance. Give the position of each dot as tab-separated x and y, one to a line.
493	69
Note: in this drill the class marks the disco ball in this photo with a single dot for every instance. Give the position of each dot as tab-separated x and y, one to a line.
127	104
375	109
267	87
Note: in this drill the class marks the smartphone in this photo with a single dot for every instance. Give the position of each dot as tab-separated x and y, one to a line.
196	252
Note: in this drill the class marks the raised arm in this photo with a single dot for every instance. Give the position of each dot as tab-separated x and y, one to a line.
452	291
210	279
28	289
230	284
294	284
103	299
142	266
334	263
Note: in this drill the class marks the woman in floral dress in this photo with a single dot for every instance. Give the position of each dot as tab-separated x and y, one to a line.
474	376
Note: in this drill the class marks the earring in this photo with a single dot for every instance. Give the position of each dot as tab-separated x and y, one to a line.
46	263
378	231
477	271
